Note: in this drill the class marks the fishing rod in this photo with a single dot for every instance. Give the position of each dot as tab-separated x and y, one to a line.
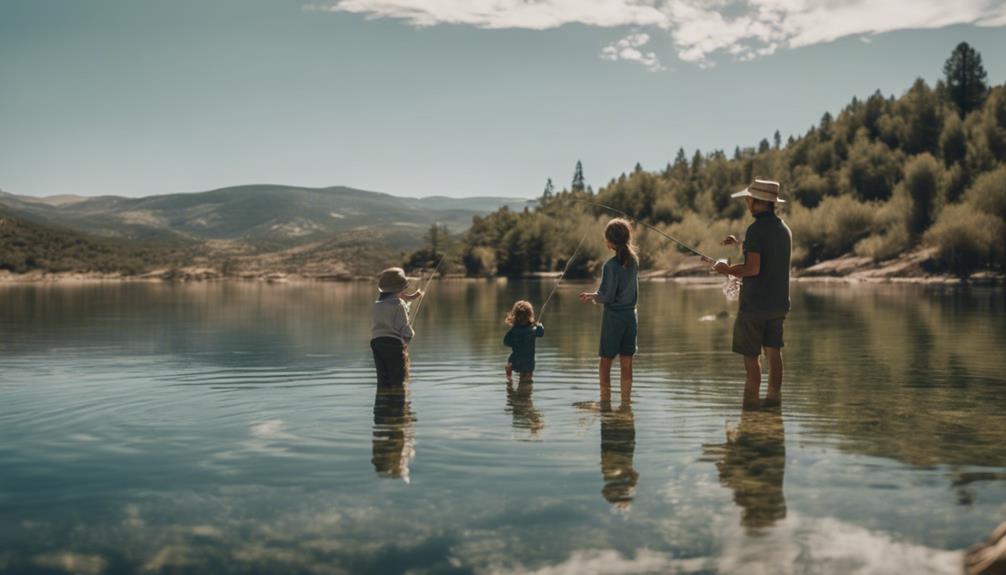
562	276
426	286
646	225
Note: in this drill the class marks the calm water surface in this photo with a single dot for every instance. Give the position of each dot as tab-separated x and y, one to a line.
234	428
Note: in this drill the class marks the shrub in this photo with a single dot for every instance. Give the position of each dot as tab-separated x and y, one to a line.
966	239
830	230
479	261
872	170
923	175
988	193
809	188
890	235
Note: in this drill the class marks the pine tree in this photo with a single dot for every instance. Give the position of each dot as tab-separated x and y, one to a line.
824	129
680	159
680	169
763	146
696	163
549	189
777	139
578	185
965	78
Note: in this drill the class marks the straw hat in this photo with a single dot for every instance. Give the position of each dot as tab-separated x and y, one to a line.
765	190
392	280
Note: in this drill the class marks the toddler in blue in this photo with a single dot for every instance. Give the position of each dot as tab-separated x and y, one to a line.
524	330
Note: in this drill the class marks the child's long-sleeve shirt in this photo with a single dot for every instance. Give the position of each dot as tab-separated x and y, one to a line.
520	339
619	286
391	319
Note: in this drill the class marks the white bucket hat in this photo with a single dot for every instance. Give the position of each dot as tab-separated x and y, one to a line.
765	190
392	280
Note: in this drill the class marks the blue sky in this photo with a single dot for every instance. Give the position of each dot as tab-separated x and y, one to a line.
426	97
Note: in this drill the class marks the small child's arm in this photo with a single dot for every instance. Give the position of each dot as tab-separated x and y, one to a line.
508	339
412	296
539	330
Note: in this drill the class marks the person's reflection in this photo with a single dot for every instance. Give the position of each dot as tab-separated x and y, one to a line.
752	462
394	437
521	406
618	446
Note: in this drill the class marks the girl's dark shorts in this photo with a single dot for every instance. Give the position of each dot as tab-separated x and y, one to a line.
754	330
618	333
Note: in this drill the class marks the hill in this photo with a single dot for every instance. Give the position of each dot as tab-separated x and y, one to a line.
244	231
263	216
924	173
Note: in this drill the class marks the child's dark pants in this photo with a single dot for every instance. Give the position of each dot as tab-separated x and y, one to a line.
391	361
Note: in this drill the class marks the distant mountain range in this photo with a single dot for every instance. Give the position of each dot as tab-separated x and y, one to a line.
265	216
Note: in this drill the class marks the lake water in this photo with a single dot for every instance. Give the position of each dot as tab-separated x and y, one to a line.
234	428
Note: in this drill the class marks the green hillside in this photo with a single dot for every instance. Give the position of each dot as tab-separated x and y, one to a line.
27	247
882	177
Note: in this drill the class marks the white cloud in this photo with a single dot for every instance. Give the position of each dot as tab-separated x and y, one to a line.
699	29
534	15
628	48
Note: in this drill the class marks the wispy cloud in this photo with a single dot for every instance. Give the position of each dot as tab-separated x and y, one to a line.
534	15
701	30
628	48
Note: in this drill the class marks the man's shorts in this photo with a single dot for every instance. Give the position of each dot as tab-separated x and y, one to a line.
755	330
618	333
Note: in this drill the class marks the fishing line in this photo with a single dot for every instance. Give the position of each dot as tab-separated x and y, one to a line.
645	225
731	285
541	313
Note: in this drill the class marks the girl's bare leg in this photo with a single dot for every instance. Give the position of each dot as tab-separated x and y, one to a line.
509	372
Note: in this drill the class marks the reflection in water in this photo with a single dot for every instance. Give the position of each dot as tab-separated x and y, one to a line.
521	406
141	395
752	462
394	436
618	446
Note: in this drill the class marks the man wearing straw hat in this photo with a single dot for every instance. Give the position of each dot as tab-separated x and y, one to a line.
764	298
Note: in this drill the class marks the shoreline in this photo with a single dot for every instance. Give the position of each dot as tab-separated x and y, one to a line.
983	279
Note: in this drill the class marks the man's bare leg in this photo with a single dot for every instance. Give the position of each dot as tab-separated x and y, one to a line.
773	396
604	376
625	376
752	382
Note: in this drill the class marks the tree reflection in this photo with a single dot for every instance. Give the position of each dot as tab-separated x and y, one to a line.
394	436
752	462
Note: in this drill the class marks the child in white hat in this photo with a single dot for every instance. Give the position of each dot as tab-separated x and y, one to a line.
390	329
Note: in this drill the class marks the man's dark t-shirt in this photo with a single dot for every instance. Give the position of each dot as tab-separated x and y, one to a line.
768	292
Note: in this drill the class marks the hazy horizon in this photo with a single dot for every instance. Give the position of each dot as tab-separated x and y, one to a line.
266	184
117	98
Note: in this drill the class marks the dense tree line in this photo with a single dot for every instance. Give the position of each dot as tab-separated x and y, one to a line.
882	176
